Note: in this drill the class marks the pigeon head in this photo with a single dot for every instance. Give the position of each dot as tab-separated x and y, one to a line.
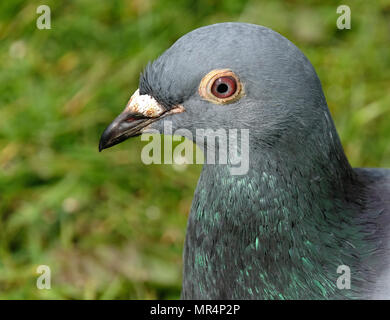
232	76
282	228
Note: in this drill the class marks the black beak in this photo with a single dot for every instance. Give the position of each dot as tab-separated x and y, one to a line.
126	125
140	112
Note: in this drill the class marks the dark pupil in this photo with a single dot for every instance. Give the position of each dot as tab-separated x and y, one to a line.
222	88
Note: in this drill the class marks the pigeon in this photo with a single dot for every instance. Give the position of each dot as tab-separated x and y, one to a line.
300	222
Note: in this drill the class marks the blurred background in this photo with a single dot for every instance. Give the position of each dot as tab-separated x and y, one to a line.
109	226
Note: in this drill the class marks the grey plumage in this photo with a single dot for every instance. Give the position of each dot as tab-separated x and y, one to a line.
377	200
281	230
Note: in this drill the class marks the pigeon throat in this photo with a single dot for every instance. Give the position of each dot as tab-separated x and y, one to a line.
271	234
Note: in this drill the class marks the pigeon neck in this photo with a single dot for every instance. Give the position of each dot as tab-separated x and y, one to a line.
249	235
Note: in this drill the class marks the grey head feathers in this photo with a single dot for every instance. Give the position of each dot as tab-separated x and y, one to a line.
281	230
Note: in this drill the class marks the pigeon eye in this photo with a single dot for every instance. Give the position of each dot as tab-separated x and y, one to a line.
221	86
224	87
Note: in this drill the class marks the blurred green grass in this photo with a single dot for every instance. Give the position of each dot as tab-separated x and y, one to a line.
108	225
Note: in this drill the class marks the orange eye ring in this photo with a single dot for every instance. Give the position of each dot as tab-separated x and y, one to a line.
221	86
